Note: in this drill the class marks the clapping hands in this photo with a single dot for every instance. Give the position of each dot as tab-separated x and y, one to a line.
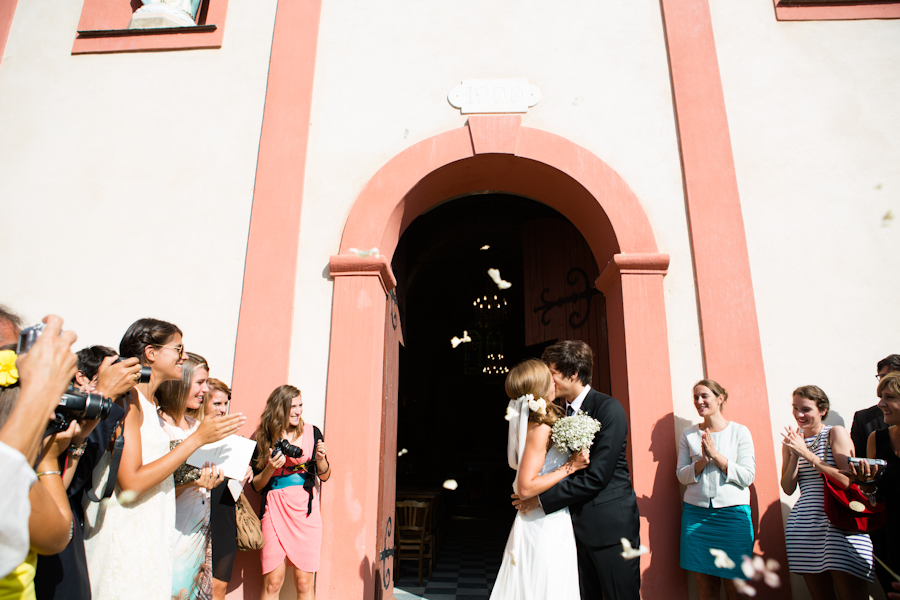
792	437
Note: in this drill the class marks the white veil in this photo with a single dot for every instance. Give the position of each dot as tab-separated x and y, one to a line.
518	429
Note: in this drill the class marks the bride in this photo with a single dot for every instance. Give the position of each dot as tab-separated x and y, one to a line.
540	560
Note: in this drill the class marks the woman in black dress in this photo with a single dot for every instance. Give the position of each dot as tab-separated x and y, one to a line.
222	518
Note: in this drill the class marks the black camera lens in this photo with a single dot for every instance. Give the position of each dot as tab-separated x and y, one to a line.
287	449
77	405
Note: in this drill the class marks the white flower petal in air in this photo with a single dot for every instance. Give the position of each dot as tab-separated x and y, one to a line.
402	452
450	484
455	341
758	569
363	253
744	588
629	553
494	274
511	413
126	497
723	561
466	337
486	247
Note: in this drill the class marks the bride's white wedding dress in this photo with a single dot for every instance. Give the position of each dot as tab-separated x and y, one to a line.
540	561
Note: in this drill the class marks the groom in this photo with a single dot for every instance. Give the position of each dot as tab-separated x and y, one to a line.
600	498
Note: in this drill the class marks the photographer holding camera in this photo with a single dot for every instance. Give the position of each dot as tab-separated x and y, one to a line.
65	575
34	513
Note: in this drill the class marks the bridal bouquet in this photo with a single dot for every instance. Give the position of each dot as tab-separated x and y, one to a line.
575	433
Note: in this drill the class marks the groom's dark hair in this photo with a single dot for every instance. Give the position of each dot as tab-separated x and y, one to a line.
571	357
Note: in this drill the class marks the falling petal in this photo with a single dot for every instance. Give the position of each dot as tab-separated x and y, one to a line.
744	588
126	497
512	558
455	341
402	452
511	413
494	274
723	561
486	247
628	552
887	218
747	568
363	253
466	337
450	484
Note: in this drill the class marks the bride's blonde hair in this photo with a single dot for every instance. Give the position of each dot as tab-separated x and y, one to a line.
533	377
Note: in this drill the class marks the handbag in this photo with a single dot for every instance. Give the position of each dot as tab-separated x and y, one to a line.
249	529
849	509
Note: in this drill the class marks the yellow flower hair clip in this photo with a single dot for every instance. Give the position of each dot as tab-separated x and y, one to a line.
9	374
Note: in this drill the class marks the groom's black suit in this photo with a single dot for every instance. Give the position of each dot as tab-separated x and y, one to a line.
603	506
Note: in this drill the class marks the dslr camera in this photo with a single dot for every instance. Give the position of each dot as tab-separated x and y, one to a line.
73	404
282	446
145	371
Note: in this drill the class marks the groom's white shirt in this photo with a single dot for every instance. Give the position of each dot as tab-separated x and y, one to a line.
577	402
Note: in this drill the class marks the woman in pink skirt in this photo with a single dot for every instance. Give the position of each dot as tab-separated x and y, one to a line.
288	465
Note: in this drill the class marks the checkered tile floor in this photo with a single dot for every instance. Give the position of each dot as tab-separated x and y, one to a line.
467	564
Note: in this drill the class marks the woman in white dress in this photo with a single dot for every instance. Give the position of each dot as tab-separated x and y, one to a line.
540	560
192	574
129	540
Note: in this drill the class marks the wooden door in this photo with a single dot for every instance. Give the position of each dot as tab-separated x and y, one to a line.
561	302
393	337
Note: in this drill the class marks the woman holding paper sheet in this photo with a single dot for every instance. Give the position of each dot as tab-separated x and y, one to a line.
133	535
192	574
287	475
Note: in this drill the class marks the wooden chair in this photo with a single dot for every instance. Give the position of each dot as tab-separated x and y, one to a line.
412	541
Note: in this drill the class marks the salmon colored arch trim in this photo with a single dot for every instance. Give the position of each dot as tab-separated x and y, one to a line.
351	265
381	212
647	264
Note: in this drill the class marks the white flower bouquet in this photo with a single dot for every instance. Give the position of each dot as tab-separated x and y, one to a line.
575	433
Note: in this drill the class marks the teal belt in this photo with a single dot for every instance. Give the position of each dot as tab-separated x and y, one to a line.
284	481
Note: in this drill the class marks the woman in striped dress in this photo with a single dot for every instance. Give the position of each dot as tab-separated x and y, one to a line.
829	559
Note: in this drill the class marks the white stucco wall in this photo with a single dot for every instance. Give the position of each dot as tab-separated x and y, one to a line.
814	115
127	179
382	77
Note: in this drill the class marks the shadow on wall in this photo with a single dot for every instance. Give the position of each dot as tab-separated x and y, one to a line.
834	418
659	535
247	570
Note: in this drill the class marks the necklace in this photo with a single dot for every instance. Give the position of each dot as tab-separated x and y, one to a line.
815	442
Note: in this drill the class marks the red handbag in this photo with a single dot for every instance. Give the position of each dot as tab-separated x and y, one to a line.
849	509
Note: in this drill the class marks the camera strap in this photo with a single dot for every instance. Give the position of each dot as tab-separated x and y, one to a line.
113	470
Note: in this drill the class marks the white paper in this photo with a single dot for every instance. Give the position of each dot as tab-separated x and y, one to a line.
231	455
235	487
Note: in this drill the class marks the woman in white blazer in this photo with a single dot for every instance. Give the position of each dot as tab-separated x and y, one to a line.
716	463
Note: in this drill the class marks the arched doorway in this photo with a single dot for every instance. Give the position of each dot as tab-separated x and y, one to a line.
451	398
490	153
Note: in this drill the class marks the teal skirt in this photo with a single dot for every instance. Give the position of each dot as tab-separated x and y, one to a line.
728	528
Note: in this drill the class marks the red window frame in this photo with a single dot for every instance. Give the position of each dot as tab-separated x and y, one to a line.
103	23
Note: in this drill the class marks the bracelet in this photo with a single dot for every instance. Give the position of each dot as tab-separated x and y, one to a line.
42	473
77	451
326	470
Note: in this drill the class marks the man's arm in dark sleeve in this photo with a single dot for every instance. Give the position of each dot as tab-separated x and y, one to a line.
604	456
